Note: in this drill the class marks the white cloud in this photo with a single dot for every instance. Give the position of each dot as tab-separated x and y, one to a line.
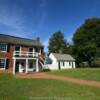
11	18
17	20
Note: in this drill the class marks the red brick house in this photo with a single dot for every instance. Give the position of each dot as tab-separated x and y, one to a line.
20	55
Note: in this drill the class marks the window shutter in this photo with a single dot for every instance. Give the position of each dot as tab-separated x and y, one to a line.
8	47
7	63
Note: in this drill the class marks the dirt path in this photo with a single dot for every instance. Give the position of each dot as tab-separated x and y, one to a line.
67	79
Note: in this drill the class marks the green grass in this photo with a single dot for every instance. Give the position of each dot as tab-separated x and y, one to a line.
86	73
12	88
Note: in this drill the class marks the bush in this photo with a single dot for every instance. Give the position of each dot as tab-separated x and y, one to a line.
45	70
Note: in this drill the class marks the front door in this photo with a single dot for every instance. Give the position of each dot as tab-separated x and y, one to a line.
20	66
17	66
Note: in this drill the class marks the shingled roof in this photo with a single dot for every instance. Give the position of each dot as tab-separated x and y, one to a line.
63	57
19	41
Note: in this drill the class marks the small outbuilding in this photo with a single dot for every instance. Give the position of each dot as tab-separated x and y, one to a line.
57	61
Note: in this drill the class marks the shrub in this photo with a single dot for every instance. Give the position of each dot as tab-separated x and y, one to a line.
45	70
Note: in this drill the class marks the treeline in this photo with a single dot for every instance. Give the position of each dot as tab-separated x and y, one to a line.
86	44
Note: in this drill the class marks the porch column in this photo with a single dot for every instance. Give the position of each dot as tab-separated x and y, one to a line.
73	64
37	67
14	64
40	51
26	65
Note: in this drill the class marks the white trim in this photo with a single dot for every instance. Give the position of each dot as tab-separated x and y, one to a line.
40	51
26	66
20	50
4	64
23	58
14	64
2	68
37	67
33	50
21	53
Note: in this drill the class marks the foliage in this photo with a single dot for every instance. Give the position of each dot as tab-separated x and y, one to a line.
45	70
87	41
57	43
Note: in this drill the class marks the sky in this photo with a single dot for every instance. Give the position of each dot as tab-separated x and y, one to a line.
41	18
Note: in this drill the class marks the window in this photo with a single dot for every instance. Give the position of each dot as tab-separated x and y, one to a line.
63	63
17	51
2	63
17	48
3	47
37	49
69	63
30	49
30	52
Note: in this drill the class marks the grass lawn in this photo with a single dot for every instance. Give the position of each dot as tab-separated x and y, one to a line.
12	88
86	73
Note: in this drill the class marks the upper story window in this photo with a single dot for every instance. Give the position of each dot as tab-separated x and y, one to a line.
2	63
30	52
17	48
3	47
30	49
37	49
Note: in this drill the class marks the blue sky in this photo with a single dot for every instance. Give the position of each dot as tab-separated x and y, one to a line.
32	18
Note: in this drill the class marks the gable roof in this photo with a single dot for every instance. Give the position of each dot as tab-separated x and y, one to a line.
19	41
63	57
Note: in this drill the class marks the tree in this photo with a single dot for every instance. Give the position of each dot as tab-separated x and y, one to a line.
57	43
87	41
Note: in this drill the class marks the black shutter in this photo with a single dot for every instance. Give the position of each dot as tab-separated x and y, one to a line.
7	63
8	47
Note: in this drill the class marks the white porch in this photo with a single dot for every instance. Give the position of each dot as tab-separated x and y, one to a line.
25	65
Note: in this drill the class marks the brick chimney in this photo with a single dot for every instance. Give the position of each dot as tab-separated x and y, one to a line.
37	39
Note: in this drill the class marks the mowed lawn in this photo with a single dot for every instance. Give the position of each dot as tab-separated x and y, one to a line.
85	73
12	88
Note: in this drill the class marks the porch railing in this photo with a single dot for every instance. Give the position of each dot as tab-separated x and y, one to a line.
25	54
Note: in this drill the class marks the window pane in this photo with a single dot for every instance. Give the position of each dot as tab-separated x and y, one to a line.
2	63
69	63
2	60
2	47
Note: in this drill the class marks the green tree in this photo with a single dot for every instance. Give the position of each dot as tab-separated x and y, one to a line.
87	41
57	43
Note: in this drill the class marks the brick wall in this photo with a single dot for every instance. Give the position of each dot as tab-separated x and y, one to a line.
9	55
